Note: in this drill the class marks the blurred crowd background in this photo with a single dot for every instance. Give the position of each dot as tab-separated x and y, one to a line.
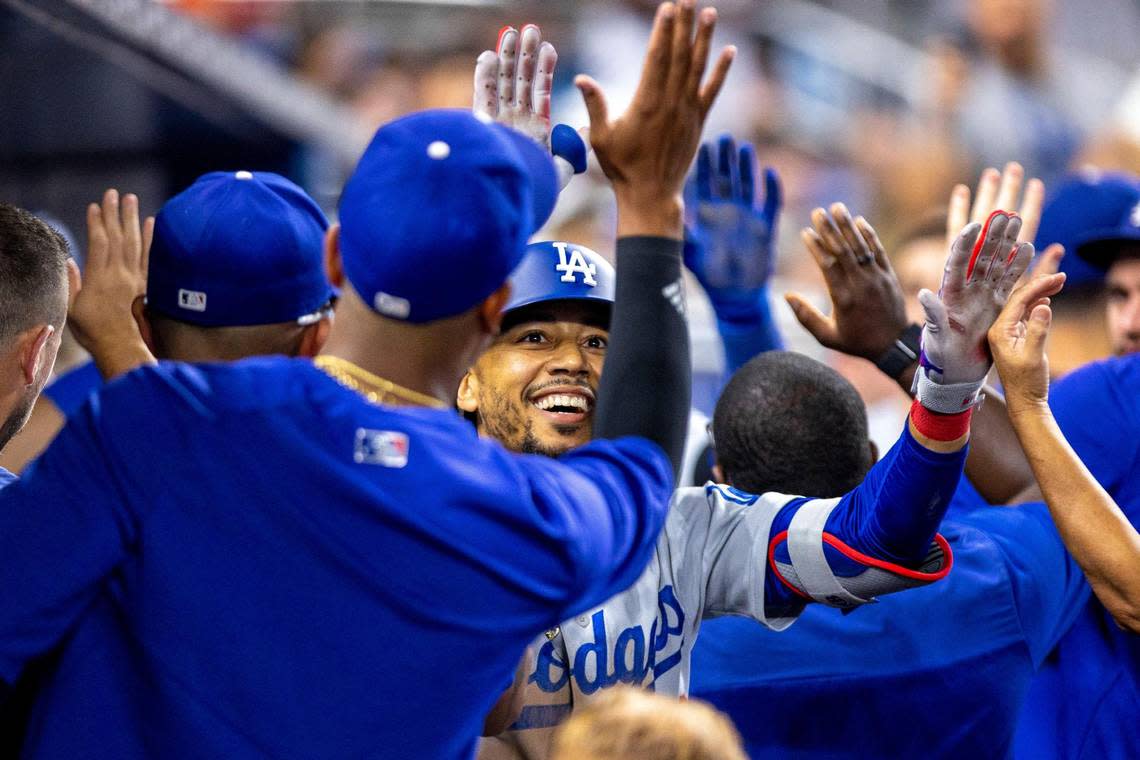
882	104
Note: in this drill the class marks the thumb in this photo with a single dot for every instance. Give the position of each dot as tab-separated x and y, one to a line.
821	327
934	309
1038	329
595	104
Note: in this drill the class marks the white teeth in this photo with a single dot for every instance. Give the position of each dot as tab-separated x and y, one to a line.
564	400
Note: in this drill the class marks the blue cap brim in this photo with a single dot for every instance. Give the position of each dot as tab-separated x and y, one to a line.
1101	247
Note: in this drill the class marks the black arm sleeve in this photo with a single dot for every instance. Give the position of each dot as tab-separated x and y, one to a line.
646	385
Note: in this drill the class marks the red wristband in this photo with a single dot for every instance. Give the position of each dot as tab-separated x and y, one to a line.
940	427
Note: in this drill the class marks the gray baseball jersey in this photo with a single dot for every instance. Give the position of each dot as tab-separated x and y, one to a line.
710	560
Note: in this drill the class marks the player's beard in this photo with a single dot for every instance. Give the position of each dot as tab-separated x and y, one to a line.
506	423
18	418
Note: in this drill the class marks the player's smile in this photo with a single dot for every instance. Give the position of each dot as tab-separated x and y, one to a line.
564	404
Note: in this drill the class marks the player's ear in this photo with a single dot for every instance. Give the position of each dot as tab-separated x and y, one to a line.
334	267
718	474
467	397
138	311
314	336
35	351
491	310
874	450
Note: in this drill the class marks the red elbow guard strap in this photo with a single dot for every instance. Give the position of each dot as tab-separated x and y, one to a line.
810	576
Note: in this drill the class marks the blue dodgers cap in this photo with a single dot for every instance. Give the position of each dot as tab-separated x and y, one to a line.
557	271
1083	208
238	248
438	212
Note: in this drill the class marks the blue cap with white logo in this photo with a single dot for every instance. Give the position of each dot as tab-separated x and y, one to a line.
557	271
438	212
238	248
1086	206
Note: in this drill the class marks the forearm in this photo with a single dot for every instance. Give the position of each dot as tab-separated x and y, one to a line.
646	387
1096	532
996	464
746	333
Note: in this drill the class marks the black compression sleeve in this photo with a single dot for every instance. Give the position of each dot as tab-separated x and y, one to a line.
646	385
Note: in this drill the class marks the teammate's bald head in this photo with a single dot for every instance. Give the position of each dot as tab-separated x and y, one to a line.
788	423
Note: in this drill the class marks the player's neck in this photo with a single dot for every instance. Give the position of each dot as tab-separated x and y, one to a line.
428	359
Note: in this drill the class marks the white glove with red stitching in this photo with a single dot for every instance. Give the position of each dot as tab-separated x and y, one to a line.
985	263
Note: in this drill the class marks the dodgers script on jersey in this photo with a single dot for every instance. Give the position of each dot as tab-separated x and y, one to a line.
710	560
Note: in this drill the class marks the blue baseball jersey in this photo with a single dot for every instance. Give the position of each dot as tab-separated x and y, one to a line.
1085	703
936	672
69	390
250	560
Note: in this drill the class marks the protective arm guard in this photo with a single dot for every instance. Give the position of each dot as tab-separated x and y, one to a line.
808	572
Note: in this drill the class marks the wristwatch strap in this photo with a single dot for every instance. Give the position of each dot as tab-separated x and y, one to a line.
902	353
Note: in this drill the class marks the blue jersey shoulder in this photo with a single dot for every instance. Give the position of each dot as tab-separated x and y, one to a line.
69	390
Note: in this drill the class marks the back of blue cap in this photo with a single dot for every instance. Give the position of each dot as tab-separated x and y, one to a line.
438	212
1082	206
238	248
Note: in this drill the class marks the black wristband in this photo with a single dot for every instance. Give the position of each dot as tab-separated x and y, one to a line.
902	353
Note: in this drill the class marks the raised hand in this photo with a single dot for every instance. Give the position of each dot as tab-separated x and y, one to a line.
513	85
1017	337
113	277
729	239
646	152
996	191
984	264
868	312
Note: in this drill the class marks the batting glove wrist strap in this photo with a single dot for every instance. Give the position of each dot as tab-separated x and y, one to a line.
946	398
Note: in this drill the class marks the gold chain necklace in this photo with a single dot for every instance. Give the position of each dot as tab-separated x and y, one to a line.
372	387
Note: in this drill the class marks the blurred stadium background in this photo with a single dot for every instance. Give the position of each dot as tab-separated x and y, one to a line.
883	104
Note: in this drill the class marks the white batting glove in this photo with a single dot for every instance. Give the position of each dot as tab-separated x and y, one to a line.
984	264
513	86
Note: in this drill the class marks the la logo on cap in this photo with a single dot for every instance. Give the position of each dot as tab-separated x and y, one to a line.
572	263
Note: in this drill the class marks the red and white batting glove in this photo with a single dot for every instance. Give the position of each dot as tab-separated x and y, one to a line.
513	85
984	264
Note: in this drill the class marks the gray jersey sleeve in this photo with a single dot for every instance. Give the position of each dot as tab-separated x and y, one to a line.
727	532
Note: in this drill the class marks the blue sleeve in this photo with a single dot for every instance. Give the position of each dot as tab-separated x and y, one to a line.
614	523
1049	589
63	529
891	516
1091	398
746	331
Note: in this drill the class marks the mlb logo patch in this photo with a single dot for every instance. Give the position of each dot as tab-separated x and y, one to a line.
192	300
387	448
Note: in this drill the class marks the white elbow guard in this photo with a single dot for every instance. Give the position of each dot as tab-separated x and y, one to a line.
810	575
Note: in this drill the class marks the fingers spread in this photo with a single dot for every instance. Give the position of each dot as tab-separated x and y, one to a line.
655	70
704	172
957	212
96	236
132	235
961	258
851	236
508	57
727	182
1011	178
1030	211
1050	260
935	311
747	172
485	98
682	49
985	197
833	240
596	107
871	238
1019	262
773	195
712	87
822	328
706	22
987	245
544	79
824	259
531	38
